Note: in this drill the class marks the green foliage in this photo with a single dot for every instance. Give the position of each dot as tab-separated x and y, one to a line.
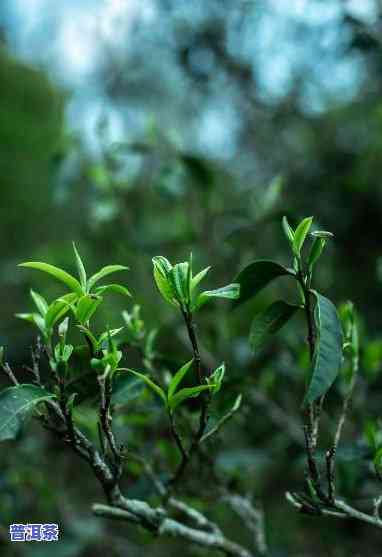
328	353
257	275
178	285
16	405
269	321
173	397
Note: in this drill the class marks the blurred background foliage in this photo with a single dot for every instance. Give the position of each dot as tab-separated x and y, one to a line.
169	126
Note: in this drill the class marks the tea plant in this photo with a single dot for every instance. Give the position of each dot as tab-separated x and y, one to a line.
59	388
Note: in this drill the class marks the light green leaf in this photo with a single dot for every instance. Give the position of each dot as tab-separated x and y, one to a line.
316	251
34	318
104	272
198	278
86	307
178	378
80	268
58	309
217	378
179	276
57	273
269	321
40	302
300	234
162	268
16	404
150	383
106	334
188	392
116	288
231	292
322	234
328	353
288	230
258	274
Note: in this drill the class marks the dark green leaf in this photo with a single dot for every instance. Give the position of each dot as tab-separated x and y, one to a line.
269	321
257	275
16	404
328	353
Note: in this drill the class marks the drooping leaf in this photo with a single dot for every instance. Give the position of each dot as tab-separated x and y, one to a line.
178	378
230	292
160	392
86	307
80	268
55	272
104	272
300	234
16	404
269	321
257	275
328	352
188	392
40	302
116	288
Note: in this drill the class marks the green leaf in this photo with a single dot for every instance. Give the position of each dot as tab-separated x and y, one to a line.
179	276
257	275
231	292
58	309
198	278
160	392
217	378
269	321
328	352
288	230
104	272
322	234
57	273
316	251
162	268
80	268
178	378
40	302
34	318
188	392
16	404
86	307
116	288
300	234
110	333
